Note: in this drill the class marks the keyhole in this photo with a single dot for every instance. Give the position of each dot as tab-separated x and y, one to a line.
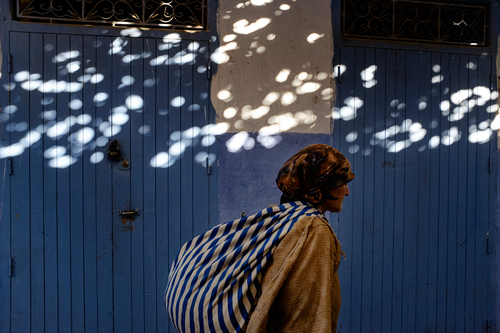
125	163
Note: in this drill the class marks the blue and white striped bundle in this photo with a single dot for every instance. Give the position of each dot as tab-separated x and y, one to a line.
216	276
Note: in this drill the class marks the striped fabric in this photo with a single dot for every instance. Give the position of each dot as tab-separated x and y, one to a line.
216	276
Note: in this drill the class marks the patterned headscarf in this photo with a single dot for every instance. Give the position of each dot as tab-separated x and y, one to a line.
309	174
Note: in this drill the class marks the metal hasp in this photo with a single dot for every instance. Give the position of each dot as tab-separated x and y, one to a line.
130	214
114	152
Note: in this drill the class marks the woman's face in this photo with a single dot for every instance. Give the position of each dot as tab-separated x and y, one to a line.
335	206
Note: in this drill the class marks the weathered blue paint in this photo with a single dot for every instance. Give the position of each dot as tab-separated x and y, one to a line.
78	265
415	226
247	181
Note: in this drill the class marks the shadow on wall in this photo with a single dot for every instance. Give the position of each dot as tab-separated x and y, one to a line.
249	181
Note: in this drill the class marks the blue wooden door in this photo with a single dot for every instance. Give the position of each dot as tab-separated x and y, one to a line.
87	241
417	127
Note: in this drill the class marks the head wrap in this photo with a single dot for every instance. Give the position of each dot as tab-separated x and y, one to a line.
309	174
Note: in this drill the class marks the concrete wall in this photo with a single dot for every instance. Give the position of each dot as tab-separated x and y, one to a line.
273	93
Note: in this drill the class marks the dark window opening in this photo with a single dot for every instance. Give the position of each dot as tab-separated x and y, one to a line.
167	14
416	21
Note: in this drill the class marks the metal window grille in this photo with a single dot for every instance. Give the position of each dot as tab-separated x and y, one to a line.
169	14
416	21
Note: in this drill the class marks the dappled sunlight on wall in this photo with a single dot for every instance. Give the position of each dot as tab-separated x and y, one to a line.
93	132
281	97
399	134
274	69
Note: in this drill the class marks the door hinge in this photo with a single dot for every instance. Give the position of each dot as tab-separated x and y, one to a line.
9	64
11	266
9	165
208	165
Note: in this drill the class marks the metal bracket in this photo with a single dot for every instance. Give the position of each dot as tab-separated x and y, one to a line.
130	214
11	267
9	165
208	166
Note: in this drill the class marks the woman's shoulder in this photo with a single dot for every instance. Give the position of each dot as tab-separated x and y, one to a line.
313	222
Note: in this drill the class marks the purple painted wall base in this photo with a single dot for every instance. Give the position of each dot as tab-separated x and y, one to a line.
252	186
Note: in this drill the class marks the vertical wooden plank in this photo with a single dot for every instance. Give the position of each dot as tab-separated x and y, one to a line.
491	249
137	188
149	132
434	193
62	163
50	190
20	190
120	130
35	144
345	228
467	212
452	174
91	156
176	150
379	259
199	108
443	200
399	196
411	173
367	120
356	189
187	140
76	142
389	188
163	185
462	202
5	194
424	257
104	189
484	226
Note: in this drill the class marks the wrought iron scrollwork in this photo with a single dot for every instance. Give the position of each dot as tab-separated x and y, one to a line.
417	21
186	14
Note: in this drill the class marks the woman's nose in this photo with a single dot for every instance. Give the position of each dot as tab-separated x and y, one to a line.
346	189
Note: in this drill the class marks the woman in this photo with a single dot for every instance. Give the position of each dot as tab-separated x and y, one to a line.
275	271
